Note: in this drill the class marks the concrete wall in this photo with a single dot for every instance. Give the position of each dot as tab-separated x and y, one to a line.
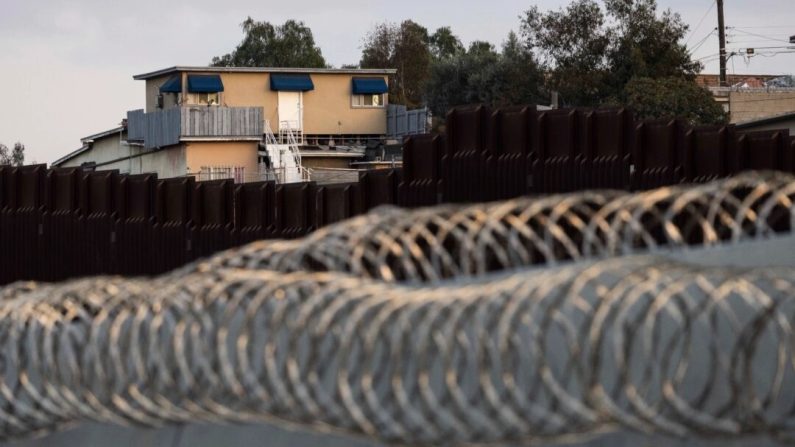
327	108
222	153
749	105
327	162
323	176
111	153
165	163
153	89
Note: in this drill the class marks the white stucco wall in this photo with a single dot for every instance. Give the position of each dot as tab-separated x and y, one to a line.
105	149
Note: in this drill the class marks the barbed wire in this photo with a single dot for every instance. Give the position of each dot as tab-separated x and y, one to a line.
434	327
432	244
633	343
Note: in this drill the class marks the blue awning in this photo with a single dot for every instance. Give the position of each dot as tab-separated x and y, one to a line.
173	85
291	82
205	84
369	86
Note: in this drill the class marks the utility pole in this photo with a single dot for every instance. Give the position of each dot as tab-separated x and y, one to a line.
722	39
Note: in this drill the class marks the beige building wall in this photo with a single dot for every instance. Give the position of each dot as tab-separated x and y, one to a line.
250	90
750	105
222	154
327	110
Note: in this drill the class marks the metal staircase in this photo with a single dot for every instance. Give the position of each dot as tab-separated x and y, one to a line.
284	157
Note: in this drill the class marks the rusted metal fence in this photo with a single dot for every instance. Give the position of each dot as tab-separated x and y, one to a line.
64	223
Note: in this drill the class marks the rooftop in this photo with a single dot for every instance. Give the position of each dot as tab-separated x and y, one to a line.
87	144
179	68
97	136
767	120
713	80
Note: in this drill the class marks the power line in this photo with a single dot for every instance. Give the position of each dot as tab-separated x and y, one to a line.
769	35
701	42
747	41
762	36
762	27
700	22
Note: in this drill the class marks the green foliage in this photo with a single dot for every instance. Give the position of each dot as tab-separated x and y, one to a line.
591	52
572	45
18	154
265	45
646	45
5	157
444	44
673	97
406	48
15	157
483	75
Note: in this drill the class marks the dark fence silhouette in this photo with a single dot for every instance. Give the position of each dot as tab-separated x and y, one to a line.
64	223
497	154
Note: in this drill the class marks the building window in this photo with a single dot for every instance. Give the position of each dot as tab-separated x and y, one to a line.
204	99
368	100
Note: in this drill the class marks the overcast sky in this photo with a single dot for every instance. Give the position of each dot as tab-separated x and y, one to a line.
67	66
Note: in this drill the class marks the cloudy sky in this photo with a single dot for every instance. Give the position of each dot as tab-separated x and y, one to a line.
67	66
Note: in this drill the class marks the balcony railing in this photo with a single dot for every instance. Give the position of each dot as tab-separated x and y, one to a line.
170	126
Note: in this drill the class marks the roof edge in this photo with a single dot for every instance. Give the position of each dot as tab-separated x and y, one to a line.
765	120
70	156
177	68
102	134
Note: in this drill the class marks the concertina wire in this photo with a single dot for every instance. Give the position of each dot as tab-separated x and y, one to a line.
444	325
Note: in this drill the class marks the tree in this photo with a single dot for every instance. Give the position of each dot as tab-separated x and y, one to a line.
483	75
519	79
673	97
572	45
646	45
265	45
18	154
5	158
406	48
444	44
591	52
15	157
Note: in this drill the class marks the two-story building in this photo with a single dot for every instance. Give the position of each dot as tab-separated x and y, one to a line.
206	120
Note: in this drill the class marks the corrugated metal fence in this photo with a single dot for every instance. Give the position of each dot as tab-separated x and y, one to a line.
62	223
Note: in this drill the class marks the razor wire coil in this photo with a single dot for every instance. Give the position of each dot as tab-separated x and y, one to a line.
434	348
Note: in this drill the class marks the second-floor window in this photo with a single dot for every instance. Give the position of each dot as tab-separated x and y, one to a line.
204	99
376	100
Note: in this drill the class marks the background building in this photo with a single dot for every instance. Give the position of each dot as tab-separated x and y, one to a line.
752	97
245	123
